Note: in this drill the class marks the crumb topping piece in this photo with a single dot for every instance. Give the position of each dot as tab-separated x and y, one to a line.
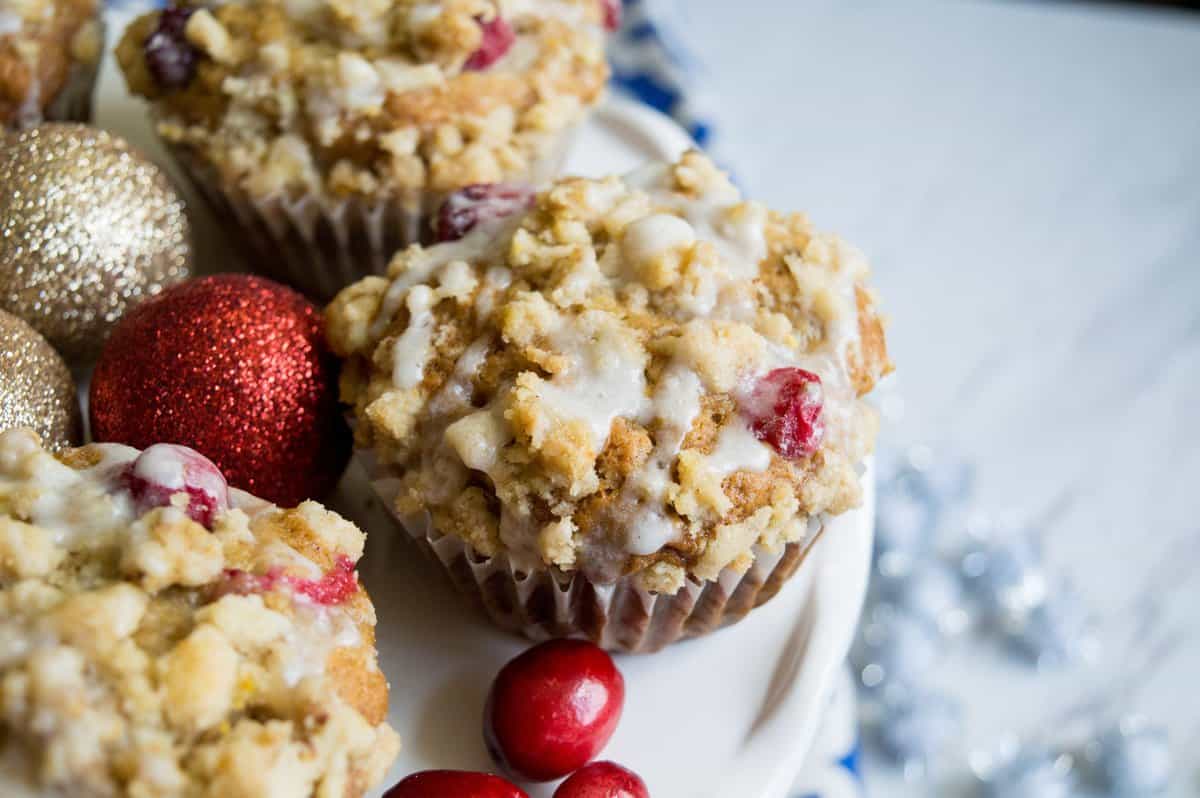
644	374
164	636
358	98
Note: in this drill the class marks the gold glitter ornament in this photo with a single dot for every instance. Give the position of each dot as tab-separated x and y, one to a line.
88	229
36	388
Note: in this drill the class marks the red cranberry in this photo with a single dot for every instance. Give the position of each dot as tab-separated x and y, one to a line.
553	708
336	586
170	57
784	409
482	202
498	38
166	470
603	780
454	784
612	14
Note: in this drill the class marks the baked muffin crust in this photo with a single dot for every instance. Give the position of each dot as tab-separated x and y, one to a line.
142	654
40	41
574	387
360	98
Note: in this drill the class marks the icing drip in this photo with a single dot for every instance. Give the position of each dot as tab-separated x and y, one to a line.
605	379
675	405
411	350
318	630
80	508
738	450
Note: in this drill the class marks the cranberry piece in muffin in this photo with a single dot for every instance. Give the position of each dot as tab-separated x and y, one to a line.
785	411
335	586
612	14
484	202
165	470
498	38
170	57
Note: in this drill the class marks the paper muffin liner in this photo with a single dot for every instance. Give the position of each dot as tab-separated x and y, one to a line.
622	616
319	245
72	103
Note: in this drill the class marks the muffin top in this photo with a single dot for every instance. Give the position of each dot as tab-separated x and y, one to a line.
164	635
366	98
40	41
640	375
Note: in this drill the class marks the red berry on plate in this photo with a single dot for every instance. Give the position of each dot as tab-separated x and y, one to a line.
603	780
454	784
553	708
612	13
498	38
165	471
784	409
482	202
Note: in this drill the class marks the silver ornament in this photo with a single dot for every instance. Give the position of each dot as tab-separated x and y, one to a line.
1134	760
1053	633
932	593
893	647
1006	574
1032	774
905	518
917	730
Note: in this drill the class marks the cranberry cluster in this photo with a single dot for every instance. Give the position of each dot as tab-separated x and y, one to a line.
550	712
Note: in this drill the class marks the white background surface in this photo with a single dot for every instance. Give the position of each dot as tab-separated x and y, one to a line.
1026	180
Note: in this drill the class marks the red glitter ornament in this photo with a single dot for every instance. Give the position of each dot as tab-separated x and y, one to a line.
237	368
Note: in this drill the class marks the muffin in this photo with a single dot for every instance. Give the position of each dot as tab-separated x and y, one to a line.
49	57
163	635
330	132
624	414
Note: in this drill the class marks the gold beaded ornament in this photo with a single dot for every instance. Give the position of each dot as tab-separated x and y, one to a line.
36	387
88	229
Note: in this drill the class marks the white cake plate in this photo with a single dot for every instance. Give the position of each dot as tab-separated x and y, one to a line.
728	716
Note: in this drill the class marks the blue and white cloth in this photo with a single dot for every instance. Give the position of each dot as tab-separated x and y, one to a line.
653	65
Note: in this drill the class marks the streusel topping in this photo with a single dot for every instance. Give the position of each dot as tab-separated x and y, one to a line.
644	374
41	41
162	636
364	98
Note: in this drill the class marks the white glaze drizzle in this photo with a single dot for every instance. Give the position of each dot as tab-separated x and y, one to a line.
602	382
738	450
674	406
315	632
412	349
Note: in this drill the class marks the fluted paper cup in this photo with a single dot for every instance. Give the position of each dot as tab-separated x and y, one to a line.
622	616
72	103
320	245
